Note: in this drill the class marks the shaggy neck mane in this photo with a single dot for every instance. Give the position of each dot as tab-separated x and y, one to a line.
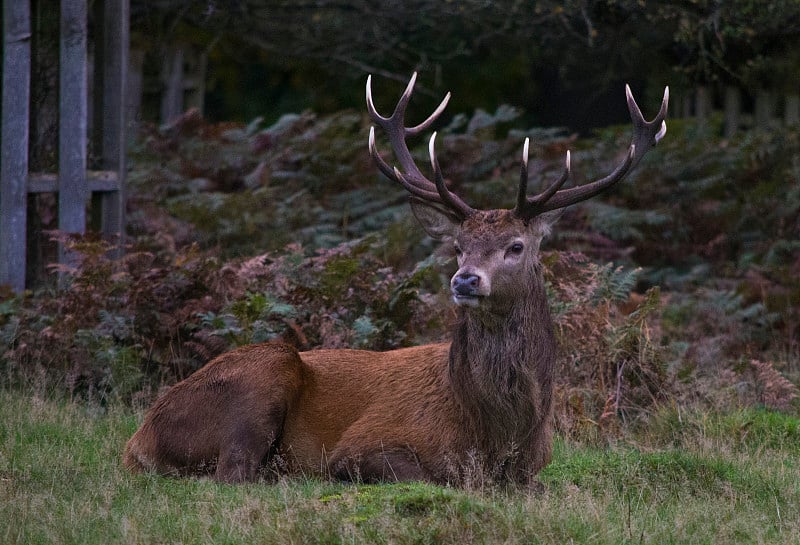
497	364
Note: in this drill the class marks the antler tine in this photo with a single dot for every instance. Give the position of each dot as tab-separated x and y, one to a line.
646	134
371	105
394	174
393	126
566	197
400	109
431	118
416	191
448	198
522	194
411	178
383	166
530	206
405	98
553	188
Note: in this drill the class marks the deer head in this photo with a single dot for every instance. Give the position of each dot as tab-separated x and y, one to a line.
497	250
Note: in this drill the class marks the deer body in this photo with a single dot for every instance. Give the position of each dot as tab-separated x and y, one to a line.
370	433
423	413
349	414
441	412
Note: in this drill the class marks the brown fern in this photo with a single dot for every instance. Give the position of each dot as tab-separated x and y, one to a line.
772	388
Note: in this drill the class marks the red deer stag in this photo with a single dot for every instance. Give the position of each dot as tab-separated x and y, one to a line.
482	402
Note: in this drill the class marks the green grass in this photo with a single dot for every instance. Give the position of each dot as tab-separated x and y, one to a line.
685	478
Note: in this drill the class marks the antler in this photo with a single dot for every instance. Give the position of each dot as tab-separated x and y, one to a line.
411	178
646	134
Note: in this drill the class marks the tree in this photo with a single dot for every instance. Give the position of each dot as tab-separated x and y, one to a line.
517	51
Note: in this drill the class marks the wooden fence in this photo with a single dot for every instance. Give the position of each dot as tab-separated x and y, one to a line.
75	184
768	110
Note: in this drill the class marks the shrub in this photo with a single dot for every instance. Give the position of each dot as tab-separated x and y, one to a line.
152	318
612	366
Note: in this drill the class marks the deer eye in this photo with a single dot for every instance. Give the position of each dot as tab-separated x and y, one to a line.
516	248
457	250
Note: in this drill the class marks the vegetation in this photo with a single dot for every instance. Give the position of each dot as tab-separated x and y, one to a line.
675	299
563	61
243	234
687	477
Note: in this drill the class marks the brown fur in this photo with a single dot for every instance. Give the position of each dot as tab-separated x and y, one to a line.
433	412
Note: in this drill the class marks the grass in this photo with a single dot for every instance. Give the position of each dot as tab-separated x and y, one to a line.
685	478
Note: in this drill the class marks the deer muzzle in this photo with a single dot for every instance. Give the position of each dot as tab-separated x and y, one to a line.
466	288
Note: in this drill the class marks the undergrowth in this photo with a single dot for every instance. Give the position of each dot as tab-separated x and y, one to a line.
675	300
125	326
679	286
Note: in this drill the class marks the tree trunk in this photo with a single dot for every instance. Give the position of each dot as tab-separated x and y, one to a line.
172	98
195	85
135	85
702	107
733	108
791	111
765	109
685	106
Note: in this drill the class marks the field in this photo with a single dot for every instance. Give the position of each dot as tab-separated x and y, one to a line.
685	478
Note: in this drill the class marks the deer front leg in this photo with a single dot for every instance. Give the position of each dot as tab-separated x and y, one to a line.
250	445
386	464
238	464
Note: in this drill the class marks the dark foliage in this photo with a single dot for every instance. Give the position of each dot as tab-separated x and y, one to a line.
120	324
338	262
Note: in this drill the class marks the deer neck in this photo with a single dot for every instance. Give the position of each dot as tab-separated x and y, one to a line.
501	367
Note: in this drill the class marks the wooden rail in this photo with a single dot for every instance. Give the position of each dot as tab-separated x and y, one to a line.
75	184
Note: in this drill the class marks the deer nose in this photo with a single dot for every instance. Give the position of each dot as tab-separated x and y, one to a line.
466	284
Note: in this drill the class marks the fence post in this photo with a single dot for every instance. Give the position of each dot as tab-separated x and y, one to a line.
111	68
73	190
15	131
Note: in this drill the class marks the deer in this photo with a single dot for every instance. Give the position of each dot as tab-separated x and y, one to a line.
479	404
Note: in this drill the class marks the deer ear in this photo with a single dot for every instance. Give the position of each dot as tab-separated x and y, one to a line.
543	223
550	218
438	222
